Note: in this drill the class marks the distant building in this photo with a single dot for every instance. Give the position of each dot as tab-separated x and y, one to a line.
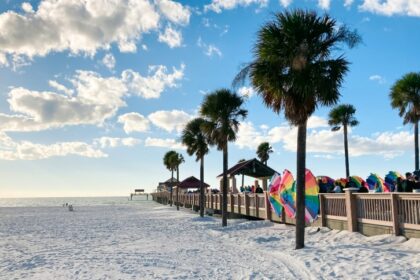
165	186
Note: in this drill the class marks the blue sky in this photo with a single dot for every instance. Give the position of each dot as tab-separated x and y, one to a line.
93	93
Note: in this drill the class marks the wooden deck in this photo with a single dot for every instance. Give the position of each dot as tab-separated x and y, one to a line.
369	214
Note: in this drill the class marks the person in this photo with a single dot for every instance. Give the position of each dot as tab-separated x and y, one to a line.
259	189
242	189
416	185
409	183
399	185
253	189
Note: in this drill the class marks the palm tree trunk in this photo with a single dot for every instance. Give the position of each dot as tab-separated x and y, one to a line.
300	186
225	185
172	186
416	143
177	191
202	196
346	151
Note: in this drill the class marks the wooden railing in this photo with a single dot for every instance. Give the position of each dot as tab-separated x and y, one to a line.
397	212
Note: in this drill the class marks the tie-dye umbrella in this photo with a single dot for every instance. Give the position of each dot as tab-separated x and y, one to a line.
377	184
274	194
358	182
325	183
287	193
311	197
391	179
340	182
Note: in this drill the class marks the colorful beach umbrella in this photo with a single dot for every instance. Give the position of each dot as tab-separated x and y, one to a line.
377	184
287	193
342	182
274	194
358	182
311	197
391	179
325	183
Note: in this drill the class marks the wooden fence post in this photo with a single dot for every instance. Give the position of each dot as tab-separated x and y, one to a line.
256	206
351	209
322	210
394	209
267	207
232	203
247	204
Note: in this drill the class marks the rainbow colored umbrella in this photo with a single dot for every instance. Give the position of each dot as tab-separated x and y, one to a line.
358	182
287	193
311	197
274	194
325	183
377	184
342	182
391	179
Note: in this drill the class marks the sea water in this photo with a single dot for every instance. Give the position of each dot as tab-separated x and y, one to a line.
75	201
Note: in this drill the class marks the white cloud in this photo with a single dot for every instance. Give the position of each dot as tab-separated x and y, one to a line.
170	120
174	11
27	7
347	3
92	100
56	85
172	37
377	78
113	142
246	92
83	27
163	143
324	142
209	49
25	150
316	122
285	3
219	5
76	26
144	47
134	122
109	61
392	7
153	85
324	4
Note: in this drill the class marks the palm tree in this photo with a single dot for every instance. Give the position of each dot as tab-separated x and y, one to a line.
196	141
222	110
343	116
263	152
178	160
405	96
294	71
170	164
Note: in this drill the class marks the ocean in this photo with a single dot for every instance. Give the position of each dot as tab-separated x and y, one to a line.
75	201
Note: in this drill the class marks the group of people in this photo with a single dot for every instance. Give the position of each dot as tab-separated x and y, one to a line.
411	183
251	189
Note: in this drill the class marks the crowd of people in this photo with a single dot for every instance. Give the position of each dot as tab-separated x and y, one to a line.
251	189
411	183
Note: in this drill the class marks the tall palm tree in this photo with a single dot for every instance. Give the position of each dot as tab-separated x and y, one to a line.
170	164
405	96
196	141
178	160
343	116
222	110
294	71
263	152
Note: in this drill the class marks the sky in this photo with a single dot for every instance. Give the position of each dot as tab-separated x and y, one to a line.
94	93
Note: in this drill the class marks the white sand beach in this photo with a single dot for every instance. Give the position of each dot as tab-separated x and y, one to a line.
145	240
